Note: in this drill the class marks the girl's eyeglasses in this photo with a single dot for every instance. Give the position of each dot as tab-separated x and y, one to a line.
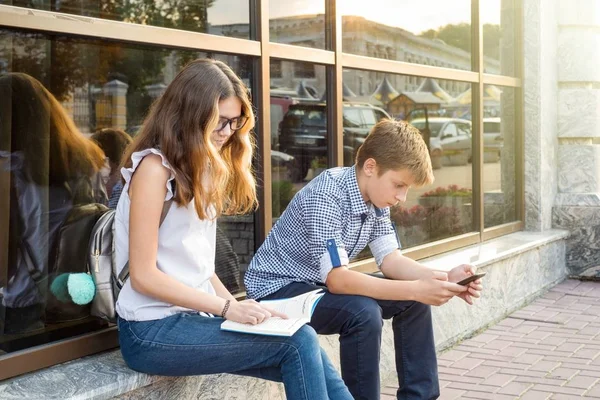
235	124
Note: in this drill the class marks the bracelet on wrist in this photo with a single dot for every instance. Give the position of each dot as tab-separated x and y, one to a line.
225	308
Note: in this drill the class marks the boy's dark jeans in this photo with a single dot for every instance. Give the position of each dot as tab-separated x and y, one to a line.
359	322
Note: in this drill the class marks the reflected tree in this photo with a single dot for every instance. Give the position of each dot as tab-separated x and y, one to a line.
459	35
64	63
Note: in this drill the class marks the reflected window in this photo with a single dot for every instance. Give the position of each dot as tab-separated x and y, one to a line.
499	152
299	139
76	104
298	23
304	70
407	28
276	71
499	25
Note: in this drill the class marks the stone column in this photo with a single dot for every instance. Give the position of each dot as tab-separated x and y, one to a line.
116	91
156	90
540	31
577	205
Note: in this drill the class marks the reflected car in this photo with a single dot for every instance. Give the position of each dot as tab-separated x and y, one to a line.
492	139
303	132
449	141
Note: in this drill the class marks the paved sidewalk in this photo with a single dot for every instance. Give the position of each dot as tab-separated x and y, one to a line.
549	349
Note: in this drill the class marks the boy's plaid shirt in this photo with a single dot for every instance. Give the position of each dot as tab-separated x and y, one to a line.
326	225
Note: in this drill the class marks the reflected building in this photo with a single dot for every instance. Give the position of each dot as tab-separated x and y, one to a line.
366	38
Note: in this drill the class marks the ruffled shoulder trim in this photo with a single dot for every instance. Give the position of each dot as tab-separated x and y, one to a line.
137	158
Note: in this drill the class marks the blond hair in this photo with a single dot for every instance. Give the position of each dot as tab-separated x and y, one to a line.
396	145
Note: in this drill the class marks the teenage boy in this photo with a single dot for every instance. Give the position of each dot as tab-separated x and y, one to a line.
326	225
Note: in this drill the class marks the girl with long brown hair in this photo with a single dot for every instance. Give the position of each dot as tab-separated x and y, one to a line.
195	147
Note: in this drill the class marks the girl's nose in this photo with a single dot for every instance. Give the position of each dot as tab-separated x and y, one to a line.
226	131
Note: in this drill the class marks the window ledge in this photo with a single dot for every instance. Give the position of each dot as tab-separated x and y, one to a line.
494	250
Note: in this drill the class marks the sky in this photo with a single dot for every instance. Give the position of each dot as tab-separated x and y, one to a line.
414	16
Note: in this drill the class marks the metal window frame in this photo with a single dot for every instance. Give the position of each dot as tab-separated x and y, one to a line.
259	47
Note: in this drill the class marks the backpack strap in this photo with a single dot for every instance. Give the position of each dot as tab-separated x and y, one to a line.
124	274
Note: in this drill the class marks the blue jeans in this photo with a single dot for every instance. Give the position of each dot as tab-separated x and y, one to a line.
359	321
190	344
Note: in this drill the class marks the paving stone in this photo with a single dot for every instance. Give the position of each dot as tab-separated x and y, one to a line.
544	366
563	373
583	382
450	394
515	388
498	380
535	395
453	355
467	363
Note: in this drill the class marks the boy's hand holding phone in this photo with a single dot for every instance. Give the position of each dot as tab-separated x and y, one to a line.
465	275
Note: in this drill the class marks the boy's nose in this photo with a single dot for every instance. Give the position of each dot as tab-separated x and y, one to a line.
402	195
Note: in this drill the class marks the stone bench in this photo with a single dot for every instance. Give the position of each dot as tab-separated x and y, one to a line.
519	267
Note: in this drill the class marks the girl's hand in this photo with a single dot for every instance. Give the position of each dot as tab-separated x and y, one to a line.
250	312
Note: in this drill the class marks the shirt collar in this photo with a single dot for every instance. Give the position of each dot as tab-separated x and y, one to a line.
358	205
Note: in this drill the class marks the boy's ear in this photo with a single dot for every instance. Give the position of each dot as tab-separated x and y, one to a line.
370	167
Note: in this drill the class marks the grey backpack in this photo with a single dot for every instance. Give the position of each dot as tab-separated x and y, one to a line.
103	267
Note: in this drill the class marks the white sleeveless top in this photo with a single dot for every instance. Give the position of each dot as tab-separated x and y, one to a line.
186	250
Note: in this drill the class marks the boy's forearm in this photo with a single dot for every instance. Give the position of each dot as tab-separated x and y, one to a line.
398	267
341	280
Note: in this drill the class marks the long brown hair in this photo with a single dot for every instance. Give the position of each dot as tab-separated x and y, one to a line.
36	124
180	123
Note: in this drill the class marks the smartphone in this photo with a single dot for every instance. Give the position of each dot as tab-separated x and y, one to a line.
471	278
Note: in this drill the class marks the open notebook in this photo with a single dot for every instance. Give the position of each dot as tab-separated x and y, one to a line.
299	309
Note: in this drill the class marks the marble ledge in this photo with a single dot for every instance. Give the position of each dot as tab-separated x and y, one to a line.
495	250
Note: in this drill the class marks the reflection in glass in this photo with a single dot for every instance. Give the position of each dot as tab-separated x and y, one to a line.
499	183
429	32
499	23
91	88
216	17
51	170
298	22
298	128
444	208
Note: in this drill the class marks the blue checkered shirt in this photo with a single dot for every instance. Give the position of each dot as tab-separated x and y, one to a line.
325	226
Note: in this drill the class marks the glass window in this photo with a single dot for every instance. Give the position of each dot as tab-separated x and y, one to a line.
67	89
370	118
444	208
449	131
499	36
298	130
408	30
352	118
276	71
298	22
304	70
216	17
499	151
